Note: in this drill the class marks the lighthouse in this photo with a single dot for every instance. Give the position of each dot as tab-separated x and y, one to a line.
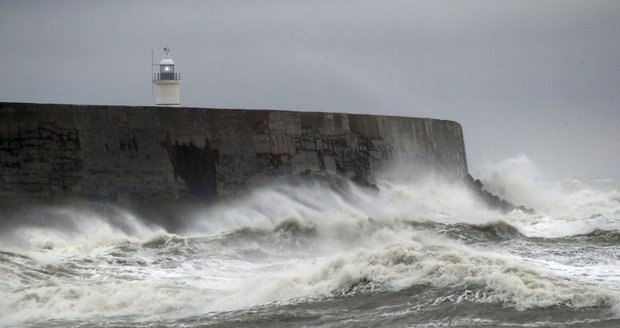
167	82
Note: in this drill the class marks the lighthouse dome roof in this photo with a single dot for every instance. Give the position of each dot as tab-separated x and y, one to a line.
166	61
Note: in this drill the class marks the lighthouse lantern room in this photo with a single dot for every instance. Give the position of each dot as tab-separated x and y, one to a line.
167	82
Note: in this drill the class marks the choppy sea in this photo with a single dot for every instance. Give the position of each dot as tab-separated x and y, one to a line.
413	254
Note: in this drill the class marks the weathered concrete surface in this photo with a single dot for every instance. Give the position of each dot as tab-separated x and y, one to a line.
121	153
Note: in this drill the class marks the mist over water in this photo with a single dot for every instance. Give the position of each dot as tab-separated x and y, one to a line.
414	253
584	204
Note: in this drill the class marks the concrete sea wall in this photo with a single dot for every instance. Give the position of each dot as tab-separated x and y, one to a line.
122	153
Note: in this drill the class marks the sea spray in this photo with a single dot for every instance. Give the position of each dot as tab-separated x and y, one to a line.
402	252
519	180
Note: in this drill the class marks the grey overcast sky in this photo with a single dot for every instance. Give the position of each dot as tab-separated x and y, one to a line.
539	78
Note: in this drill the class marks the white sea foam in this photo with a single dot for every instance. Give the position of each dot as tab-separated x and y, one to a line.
290	242
499	278
339	215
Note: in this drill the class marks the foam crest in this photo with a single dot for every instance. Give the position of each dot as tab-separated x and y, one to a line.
498	278
67	231
559	212
265	208
341	216
55	298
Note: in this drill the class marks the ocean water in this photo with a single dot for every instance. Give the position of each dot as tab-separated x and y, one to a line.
413	254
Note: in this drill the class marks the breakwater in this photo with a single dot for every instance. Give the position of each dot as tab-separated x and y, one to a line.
123	153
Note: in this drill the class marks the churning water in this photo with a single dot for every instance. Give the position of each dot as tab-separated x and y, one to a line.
421	254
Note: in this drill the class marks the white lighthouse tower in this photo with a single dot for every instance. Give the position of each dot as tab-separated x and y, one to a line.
167	82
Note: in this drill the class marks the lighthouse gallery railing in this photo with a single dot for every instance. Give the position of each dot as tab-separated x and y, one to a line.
166	76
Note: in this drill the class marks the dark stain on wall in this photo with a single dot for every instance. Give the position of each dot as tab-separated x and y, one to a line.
197	167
